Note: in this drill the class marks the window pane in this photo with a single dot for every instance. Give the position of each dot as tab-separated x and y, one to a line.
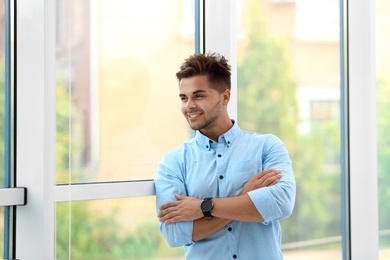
383	123
111	229
3	124
289	85
117	106
2	93
1	230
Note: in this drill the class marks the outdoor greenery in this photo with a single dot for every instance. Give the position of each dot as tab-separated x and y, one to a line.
2	144
79	228
2	122
97	235
267	104
383	125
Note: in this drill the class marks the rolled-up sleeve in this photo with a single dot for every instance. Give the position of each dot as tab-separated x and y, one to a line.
278	201
169	182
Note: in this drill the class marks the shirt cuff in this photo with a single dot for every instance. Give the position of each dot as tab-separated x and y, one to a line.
265	204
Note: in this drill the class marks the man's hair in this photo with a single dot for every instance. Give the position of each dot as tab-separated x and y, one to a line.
214	65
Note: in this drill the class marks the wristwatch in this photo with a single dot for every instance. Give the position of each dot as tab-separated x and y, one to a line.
206	207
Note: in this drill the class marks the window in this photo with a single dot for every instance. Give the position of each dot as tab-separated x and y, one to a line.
65	53
117	112
289	85
383	119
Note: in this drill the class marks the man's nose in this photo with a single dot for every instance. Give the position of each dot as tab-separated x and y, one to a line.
190	103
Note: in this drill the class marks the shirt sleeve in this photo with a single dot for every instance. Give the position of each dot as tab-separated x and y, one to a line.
168	182
276	202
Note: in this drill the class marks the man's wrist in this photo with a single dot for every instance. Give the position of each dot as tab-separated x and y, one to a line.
206	206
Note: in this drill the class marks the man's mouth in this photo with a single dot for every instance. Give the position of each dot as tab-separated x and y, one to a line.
194	114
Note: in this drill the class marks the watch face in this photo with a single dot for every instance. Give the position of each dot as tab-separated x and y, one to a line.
206	205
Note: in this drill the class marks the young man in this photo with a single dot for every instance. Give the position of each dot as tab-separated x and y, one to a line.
221	194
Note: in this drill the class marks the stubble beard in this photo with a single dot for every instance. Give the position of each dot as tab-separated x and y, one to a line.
215	113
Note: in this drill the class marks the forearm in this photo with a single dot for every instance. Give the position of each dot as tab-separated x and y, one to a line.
226	210
240	208
206	227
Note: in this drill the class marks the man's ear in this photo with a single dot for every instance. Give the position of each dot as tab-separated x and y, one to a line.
225	96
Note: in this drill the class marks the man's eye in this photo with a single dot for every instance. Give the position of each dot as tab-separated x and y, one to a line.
199	96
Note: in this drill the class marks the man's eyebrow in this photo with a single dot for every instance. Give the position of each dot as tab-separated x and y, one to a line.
198	91
194	93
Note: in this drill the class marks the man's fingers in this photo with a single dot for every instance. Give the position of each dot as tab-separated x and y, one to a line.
271	181
270	174
169	205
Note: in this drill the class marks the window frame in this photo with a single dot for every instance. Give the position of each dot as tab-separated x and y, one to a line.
359	133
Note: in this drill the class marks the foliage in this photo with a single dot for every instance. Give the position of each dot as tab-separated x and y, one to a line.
2	122
267	103
266	91
95	235
383	125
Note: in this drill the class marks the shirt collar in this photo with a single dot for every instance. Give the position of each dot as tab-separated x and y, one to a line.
227	137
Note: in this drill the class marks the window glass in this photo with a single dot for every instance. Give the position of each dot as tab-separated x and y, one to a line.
383	123
111	229
2	118
1	230
289	85
2	92
117	113
118	109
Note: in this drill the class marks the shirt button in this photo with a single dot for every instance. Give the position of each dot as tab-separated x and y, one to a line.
234	256
230	229
219	155
207	146
220	177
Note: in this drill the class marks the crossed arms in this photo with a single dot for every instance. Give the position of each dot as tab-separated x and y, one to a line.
240	208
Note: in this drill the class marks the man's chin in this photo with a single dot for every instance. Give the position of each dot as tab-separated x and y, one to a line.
194	126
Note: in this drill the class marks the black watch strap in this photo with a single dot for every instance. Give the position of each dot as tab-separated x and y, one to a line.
206	207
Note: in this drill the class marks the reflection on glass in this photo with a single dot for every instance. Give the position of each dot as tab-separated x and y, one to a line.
383	123
288	84
117	105
111	229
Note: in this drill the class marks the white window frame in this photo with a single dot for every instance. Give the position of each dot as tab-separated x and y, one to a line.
36	125
361	135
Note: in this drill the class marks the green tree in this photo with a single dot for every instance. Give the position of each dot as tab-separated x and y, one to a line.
383	125
2	122
266	92
267	104
89	234
2	144
99	236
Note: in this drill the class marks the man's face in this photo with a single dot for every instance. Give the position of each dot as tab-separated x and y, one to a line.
201	105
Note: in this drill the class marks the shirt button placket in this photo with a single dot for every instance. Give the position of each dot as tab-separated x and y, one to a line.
221	168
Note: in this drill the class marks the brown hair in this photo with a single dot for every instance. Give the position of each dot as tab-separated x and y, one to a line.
214	65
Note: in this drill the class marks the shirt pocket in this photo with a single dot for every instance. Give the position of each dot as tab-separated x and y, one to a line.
239	173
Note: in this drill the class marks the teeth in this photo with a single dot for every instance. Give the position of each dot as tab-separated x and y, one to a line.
193	115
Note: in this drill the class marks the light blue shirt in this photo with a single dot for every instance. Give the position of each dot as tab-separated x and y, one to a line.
204	168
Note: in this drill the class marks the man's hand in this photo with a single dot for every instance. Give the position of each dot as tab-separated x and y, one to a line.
264	178
184	209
